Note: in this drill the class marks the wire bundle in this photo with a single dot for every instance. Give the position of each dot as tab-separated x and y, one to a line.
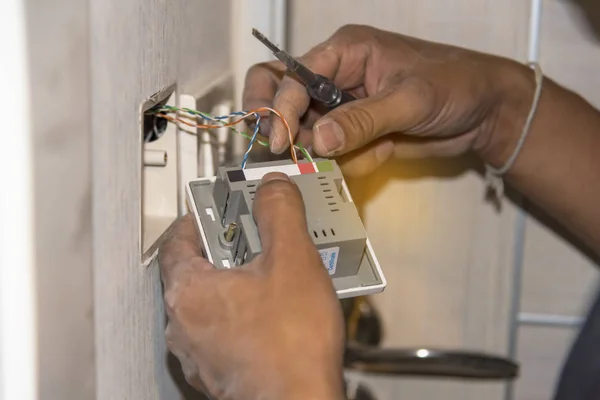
165	111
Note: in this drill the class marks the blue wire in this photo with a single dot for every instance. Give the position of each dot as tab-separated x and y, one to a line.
213	118
254	137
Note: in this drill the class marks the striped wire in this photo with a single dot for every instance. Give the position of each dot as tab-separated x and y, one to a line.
254	136
244	134
243	115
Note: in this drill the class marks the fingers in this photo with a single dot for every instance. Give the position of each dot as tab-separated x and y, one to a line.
262	81
358	123
292	99
280	215
341	58
180	252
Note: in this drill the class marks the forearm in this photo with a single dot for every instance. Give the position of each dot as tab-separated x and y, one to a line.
559	165
301	378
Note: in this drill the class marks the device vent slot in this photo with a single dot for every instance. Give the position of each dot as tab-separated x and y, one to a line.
334	210
332	204
332	232
329	197
325	184
225	209
324	233
326	190
316	234
321	177
251	185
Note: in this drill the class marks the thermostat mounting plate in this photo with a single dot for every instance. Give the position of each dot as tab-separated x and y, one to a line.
222	206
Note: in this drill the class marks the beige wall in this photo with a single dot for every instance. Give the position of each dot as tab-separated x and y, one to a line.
59	85
100	322
138	47
448	255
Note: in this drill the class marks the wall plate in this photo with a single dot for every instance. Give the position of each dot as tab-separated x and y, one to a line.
159	195
218	201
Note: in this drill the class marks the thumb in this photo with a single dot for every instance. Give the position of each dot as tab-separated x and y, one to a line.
280	215
355	124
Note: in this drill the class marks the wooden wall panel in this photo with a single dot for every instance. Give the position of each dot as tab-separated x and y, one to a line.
138	48
445	251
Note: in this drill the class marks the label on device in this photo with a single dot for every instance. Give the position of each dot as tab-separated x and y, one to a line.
330	258
256	174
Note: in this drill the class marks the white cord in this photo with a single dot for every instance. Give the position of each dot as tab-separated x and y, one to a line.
494	175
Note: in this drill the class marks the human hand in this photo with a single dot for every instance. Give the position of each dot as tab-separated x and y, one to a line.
416	99
272	329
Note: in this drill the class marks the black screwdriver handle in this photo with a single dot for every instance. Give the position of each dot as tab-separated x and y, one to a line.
326	92
345	97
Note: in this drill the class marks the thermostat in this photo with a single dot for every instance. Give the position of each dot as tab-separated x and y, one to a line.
222	206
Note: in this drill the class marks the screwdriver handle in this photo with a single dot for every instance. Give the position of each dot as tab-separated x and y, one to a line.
327	93
345	97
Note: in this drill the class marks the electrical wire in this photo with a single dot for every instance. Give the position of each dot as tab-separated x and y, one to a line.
163	112
254	136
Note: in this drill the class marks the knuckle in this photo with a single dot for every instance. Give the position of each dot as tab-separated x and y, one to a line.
359	123
377	43
255	71
354	34
421	93
329	49
283	102
421	88
171	297
170	336
262	68
177	298
348	29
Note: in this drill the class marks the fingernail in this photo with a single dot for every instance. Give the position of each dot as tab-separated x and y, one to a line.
276	141
276	144
330	134
275	176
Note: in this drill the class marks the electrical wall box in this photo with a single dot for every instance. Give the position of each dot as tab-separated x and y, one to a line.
222	206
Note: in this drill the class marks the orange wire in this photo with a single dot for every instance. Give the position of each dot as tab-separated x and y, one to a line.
243	117
287	128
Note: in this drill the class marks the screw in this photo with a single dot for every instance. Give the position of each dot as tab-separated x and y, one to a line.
230	232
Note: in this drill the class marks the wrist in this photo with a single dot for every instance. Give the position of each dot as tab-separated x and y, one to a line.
329	387
292	383
515	86
315	391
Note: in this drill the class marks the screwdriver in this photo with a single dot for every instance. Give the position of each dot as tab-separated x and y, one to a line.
318	87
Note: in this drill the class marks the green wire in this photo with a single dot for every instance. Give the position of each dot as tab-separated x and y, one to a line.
244	134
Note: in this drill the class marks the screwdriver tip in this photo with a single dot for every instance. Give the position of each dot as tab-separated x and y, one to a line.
265	41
